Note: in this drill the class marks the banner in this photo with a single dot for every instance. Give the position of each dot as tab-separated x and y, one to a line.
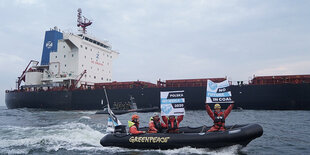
112	120
218	92
172	103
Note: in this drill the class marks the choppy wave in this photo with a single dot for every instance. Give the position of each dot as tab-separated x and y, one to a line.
75	136
68	136
35	131
189	150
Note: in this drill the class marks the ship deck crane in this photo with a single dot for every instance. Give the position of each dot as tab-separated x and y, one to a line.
78	80
23	76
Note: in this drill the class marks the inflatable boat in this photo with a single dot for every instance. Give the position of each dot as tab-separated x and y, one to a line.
194	137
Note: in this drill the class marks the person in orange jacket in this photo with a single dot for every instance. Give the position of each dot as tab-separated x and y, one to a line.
172	123
218	117
134	125
155	126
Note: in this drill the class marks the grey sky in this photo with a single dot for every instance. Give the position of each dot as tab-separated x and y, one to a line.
167	39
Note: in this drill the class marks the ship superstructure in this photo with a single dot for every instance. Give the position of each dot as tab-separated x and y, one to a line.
70	60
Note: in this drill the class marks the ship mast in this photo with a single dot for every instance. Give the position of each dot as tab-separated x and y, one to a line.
82	21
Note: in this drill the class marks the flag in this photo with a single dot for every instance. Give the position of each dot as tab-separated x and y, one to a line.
112	120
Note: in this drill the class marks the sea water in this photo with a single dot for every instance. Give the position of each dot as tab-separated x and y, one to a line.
33	131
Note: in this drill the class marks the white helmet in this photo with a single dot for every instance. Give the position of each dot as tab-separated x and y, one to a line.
155	114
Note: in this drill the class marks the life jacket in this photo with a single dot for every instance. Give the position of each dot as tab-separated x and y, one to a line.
130	124
175	125
157	125
219	119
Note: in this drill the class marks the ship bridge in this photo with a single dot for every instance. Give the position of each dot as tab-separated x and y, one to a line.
93	40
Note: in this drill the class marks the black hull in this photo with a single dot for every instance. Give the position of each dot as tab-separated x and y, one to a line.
120	112
238	135
260	97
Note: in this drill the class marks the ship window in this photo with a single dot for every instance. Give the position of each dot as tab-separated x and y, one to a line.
102	78
110	56
82	65
85	47
64	56
85	75
81	46
107	55
55	66
107	79
91	67
64	46
91	49
72	55
65	65
55	56
94	77
85	57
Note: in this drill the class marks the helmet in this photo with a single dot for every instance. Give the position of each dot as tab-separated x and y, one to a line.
133	117
155	114
217	106
171	116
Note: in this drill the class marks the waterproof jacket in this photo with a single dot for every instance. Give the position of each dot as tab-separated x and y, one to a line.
134	128
172	124
219	118
156	126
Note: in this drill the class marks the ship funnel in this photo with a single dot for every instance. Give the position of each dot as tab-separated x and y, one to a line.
50	44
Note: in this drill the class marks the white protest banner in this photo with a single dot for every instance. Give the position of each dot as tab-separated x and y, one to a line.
172	103
218	92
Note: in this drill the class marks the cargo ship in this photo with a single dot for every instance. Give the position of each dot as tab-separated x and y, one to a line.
76	68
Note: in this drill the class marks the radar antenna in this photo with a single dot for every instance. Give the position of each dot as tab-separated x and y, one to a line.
82	21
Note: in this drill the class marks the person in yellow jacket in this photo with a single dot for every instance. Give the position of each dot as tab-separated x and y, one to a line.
134	125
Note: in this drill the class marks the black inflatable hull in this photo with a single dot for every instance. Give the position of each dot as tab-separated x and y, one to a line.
193	137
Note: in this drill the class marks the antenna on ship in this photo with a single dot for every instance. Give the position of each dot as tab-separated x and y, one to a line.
82	21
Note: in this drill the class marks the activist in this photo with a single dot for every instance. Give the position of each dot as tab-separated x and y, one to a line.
172	123
155	126
218	117
134	125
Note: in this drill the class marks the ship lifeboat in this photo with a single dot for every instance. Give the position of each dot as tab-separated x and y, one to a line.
194	137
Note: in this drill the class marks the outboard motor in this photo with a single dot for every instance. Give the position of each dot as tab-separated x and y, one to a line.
120	129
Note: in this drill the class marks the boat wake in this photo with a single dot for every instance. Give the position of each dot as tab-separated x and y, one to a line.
185	150
188	150
75	137
70	136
